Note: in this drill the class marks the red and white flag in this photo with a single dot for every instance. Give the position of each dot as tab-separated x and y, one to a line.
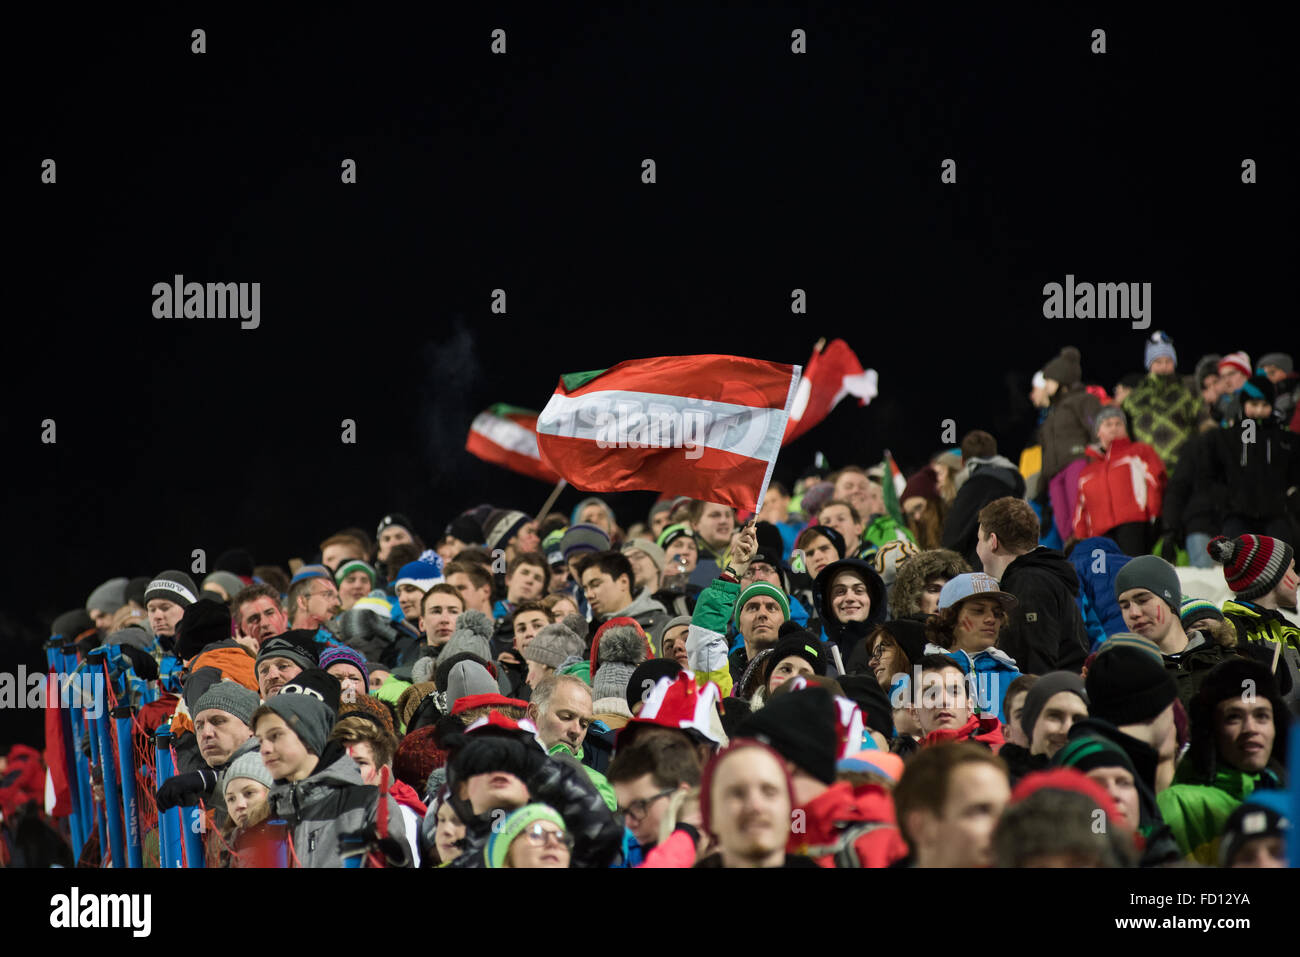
831	374
506	435
705	426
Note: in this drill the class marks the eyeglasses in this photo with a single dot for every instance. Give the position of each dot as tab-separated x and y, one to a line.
878	653
539	834
324	594
758	568
637	809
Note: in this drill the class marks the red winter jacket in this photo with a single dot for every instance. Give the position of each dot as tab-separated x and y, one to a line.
1124	484
406	796
981	728
839	809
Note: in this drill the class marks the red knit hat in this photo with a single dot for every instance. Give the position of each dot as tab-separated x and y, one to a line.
923	484
1252	564
1066	779
1236	360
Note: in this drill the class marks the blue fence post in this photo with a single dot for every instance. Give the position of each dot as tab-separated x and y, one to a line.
79	764
103	741
169	822
126	766
54	658
192	835
278	837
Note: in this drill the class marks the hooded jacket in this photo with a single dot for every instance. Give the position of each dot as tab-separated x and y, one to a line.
993	672
333	803
1045	631
1204	650
1068	428
1163	414
1096	575
1258	475
1196	808
651	615
987	479
706	639
1126	483
1258	631
864	816
846	635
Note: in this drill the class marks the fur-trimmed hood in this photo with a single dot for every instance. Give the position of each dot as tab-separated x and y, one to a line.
915	571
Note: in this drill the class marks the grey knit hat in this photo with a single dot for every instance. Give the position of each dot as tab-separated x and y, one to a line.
174	586
620	650
247	765
580	539
108	597
228	581
1109	412
1279	359
649	548
132	635
473	629
467	678
1154	574
553	644
230	697
309	717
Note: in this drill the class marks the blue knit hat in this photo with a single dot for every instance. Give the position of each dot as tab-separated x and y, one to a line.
423	573
1159	345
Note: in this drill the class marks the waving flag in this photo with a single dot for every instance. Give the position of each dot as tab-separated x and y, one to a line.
506	435
892	487
831	374
705	426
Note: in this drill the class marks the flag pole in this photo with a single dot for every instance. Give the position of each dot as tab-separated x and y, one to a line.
555	493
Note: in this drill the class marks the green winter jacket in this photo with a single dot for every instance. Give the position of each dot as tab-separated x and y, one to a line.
391	690
884	529
706	639
1196	811
580	668
1260	624
599	780
1164	414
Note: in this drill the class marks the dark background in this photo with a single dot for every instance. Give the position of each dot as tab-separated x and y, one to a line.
522	171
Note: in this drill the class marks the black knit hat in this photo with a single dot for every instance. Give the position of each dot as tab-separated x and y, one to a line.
204	622
298	645
317	684
394	518
802	727
801	644
909	634
1066	368
832	536
1044	689
1127	682
238	561
646	675
1232	678
466	530
173	586
866	693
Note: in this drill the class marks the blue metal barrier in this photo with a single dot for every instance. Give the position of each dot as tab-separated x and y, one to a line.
126	767
169	822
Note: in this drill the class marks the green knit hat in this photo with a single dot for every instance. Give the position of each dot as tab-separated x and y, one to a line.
1194	609
763	588
354	565
498	845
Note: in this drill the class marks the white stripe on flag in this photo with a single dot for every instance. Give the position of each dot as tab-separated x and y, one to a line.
510	435
607	416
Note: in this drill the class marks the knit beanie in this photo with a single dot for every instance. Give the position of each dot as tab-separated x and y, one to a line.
1069	780
909	635
1158	344
248	765
230	697
501	526
370	708
473	629
799	644
337	653
132	635
173	586
355	565
1195	609
872	702
237	561
1207	365
832	536
311	571
394	518
1236	360
673	532
108	597
1127	682
227	581
203	623
498	845
423	573
739	744
815	496
645	676
1108	412
1252	564
1265	813
1279	359
1066	368
580	539
1155	575
1050	684
1259	388
418	756
552	644
619	650
763	588
315	683
298	645
468	678
889	556
465	529
923	484
592	500
308	716
1088	752
649	549
801	727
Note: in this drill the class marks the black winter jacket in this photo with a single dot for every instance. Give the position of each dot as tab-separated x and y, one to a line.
988	482
1045	631
1260	477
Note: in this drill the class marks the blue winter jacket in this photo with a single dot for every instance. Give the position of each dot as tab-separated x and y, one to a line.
1097	561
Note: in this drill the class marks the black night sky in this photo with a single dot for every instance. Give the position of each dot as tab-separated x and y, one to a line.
523	172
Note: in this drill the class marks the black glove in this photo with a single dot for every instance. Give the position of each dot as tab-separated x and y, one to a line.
184	790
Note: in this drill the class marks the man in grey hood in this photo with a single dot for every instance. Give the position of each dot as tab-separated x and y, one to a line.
985	477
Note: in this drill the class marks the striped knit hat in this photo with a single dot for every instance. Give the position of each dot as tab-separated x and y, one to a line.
763	588
1252	564
1194	609
355	565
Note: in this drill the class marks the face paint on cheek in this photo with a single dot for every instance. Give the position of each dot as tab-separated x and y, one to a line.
1160	614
